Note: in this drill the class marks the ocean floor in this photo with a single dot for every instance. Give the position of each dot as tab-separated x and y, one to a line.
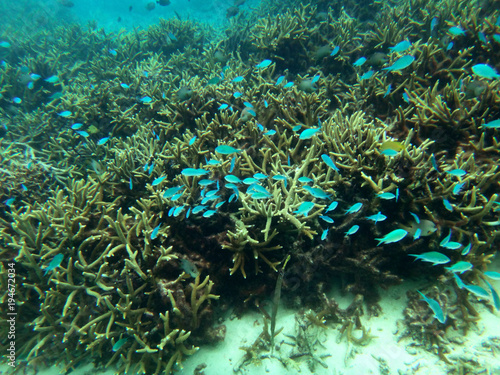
332	354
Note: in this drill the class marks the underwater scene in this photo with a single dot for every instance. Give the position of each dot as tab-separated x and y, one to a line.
250	187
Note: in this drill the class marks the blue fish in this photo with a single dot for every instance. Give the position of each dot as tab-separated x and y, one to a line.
352	230
259	176
65	114
209	213
459	267
52	79
386	196
359	61
226	150
478	291
158	181
335	51
400	64
492	275
456	31
76	126
279	80
367	75
190	172
155	231
172	191
102	141
308	133
457	172
394	236
332	206
494	294
389	88
324	234
401	46
124	85
146	99
377	217
263	64
485	71
447	205
83	133
54	263
119	344
316	192
232	178
198	209
288	85
327	219
237	79
354	208
305	179
304	208
432	257
329	162
495	124
435	307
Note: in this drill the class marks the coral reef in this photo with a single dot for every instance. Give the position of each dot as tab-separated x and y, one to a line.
150	178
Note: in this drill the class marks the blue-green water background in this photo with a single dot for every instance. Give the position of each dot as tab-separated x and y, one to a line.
113	15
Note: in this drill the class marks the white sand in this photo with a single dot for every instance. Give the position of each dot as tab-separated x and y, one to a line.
383	355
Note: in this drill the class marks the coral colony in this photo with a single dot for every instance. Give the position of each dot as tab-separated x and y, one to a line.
151	179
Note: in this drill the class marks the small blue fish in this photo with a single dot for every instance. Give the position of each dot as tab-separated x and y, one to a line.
406	98
155	231
452	245
329	162
435	307
54	263
270	132
190	172
434	163
359	61
237	94
119	344
248	104
209	213
17	100
482	37
459	281
367	75
5	44
485	71
316	192
279	80
226	150
130	184
65	114
324	234
332	206
233	162
83	133
335	51
263	64
460	267
434	23
146	99
232	179
417	219
304	208
315	78
178	211
447	205
223	106
172	191
296	128
308	133
494	294
124	85
329	220
386	196
352	230
389	88
76	126
237	79
102	141
432	257
400	64
259	176
450	46
394	236
158	181
112	52
305	179
456	31
198	209
495	124
446	239
466	249
377	217
401	46
52	79
288	85
417	234
478	291
192	140
492	275
354	208
457	172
